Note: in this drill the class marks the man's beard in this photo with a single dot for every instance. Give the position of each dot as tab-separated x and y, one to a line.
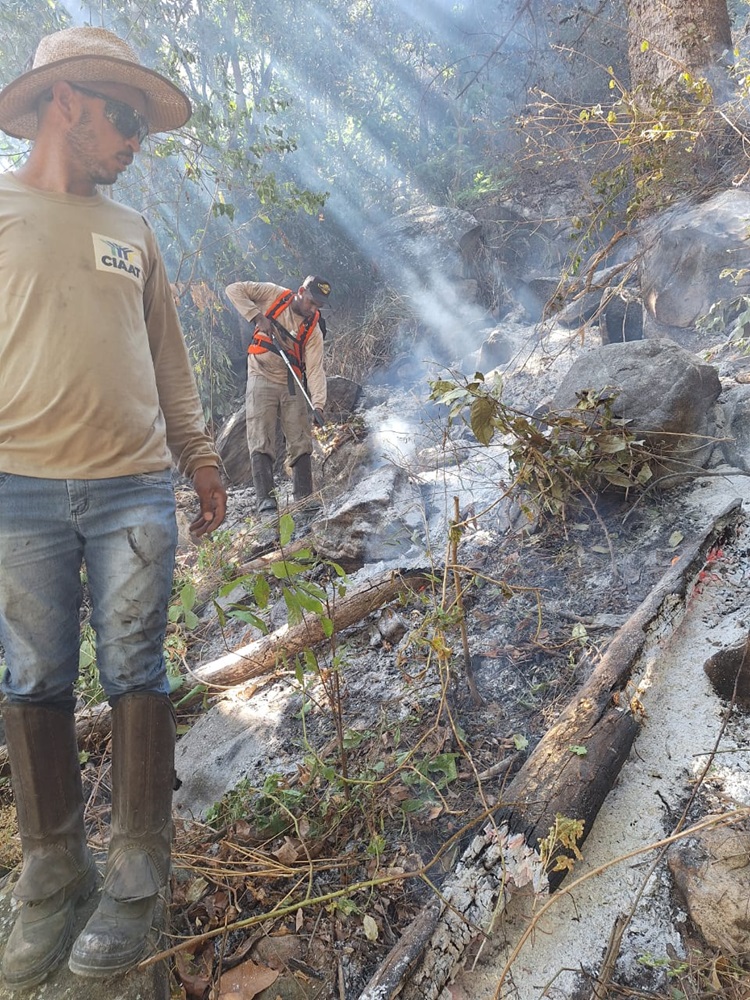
83	142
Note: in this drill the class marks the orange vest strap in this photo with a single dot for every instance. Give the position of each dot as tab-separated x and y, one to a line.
261	342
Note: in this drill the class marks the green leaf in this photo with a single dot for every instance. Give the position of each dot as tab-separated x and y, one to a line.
445	763
482	413
261	592
675	538
294	611
287	568
411	805
309	603
249	617
187	596
519	741
644	474
286	529
611	444
618	479
578	750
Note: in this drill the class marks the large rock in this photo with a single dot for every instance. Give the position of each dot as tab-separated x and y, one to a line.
712	876
377	520
428	242
666	393
231	443
685	252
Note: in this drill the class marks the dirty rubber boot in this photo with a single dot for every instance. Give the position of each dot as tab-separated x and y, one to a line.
262	468
58	869
303	488
120	929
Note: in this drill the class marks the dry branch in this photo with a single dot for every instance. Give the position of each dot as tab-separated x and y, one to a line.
264	654
553	781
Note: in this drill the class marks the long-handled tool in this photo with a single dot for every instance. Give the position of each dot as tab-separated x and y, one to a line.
284	357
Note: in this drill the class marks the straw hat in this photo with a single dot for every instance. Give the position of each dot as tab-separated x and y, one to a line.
82	55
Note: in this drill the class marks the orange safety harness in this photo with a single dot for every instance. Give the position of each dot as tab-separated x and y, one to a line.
295	351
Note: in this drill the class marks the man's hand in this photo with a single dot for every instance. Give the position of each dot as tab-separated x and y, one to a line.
318	417
213	498
264	323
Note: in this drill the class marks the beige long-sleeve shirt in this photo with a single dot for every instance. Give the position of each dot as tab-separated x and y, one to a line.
251	299
95	377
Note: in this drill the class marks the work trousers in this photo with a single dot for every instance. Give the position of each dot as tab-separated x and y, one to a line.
265	403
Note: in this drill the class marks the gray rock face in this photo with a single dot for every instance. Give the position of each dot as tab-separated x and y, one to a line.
231	444
495	350
685	253
377	520
666	393
427	241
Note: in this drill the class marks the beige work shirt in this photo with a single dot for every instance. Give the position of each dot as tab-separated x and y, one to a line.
95	377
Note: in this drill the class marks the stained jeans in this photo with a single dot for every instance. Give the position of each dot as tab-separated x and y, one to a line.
125	531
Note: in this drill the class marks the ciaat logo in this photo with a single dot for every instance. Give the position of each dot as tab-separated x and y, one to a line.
112	255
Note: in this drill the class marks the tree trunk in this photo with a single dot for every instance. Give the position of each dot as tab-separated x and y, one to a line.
670	37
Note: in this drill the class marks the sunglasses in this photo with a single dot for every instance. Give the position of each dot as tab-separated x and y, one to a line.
125	119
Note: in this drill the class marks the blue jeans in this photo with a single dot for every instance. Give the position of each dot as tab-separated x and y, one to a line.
125	531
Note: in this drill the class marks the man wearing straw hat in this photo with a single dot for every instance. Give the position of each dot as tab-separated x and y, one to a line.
97	399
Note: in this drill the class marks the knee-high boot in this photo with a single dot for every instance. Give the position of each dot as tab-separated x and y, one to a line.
58	870
143	740
262	469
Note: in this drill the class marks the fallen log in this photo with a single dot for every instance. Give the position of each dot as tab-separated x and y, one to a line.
264	654
601	719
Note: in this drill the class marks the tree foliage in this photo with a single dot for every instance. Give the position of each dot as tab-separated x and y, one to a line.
315	122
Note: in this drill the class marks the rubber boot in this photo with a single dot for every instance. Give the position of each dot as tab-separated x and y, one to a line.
303	490
119	931
262	468
302	477
58	869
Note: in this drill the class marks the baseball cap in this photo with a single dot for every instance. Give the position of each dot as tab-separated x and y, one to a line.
319	289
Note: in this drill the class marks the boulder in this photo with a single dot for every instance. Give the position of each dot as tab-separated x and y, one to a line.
426	242
343	396
666	394
685	252
622	318
712	876
377	520
496	350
